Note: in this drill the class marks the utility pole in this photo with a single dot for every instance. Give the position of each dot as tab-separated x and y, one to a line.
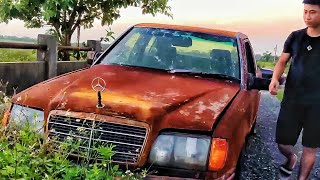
275	53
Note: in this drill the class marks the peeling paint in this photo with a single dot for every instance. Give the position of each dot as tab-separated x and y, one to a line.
216	106
201	107
63	104
197	117
109	73
67	113
225	98
185	113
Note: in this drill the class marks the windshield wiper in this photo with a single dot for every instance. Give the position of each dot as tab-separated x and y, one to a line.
203	74
135	66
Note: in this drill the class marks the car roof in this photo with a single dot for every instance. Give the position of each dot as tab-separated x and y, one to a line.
189	28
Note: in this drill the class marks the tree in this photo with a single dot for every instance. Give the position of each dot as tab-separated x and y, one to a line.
66	16
267	56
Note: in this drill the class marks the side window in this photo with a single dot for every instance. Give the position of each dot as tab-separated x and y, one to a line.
250	58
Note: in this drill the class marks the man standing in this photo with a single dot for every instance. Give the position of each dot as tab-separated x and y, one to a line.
300	108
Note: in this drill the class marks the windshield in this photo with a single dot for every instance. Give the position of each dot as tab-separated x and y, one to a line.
172	49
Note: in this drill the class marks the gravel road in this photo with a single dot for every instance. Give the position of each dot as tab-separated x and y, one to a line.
262	158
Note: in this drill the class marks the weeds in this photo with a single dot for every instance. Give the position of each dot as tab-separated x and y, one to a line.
4	99
28	154
24	154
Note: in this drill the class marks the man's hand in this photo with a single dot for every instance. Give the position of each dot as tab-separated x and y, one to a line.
277	72
274	87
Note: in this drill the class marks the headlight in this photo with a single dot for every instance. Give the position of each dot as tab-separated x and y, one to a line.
181	151
24	115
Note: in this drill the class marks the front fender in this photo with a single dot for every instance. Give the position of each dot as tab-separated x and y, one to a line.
235	125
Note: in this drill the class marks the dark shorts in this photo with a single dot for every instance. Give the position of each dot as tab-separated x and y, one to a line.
294	117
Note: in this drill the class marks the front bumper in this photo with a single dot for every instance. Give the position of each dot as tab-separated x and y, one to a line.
153	177
161	173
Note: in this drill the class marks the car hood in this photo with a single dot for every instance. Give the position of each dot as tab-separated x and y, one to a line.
151	96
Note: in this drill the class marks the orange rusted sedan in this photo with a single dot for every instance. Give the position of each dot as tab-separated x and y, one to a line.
178	99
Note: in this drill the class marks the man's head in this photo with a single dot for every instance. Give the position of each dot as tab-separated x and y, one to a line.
312	13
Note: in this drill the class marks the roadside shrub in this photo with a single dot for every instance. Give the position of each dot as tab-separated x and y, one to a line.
25	154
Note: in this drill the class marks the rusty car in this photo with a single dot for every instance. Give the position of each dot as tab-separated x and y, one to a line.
178	100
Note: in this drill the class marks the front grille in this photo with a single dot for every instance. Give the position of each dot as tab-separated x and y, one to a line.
89	134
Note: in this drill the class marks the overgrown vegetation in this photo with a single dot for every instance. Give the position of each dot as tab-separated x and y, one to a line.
17	55
27	154
25	55
24	154
4	99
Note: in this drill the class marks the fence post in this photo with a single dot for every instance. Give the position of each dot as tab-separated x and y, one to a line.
51	55
41	53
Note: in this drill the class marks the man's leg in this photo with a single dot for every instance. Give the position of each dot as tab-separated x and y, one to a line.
287	151
310	140
288	130
307	161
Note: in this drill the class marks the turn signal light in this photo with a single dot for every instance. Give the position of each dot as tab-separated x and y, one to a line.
218	154
5	118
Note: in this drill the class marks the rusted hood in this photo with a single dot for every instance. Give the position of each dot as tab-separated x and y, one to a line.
155	97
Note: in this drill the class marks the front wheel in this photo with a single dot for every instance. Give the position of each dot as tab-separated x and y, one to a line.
253	130
240	164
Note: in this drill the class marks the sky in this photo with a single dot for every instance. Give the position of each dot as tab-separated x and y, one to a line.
267	23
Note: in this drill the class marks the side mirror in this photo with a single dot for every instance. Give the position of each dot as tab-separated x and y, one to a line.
267	73
258	82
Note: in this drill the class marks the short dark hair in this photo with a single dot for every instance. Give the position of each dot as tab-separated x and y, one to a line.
313	2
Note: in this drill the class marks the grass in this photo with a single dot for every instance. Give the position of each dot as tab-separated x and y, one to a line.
270	65
17	55
280	94
266	64
25	55
24	154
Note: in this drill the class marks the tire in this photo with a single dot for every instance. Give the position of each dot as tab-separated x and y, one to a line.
239	167
253	130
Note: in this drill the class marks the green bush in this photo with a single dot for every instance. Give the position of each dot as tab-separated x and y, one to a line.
266	64
270	65
24	154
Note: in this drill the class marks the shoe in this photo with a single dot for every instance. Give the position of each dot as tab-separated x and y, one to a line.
285	172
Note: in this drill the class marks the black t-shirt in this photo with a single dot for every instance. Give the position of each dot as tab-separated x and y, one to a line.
303	81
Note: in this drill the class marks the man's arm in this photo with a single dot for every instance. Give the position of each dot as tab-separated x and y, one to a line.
277	73
280	66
